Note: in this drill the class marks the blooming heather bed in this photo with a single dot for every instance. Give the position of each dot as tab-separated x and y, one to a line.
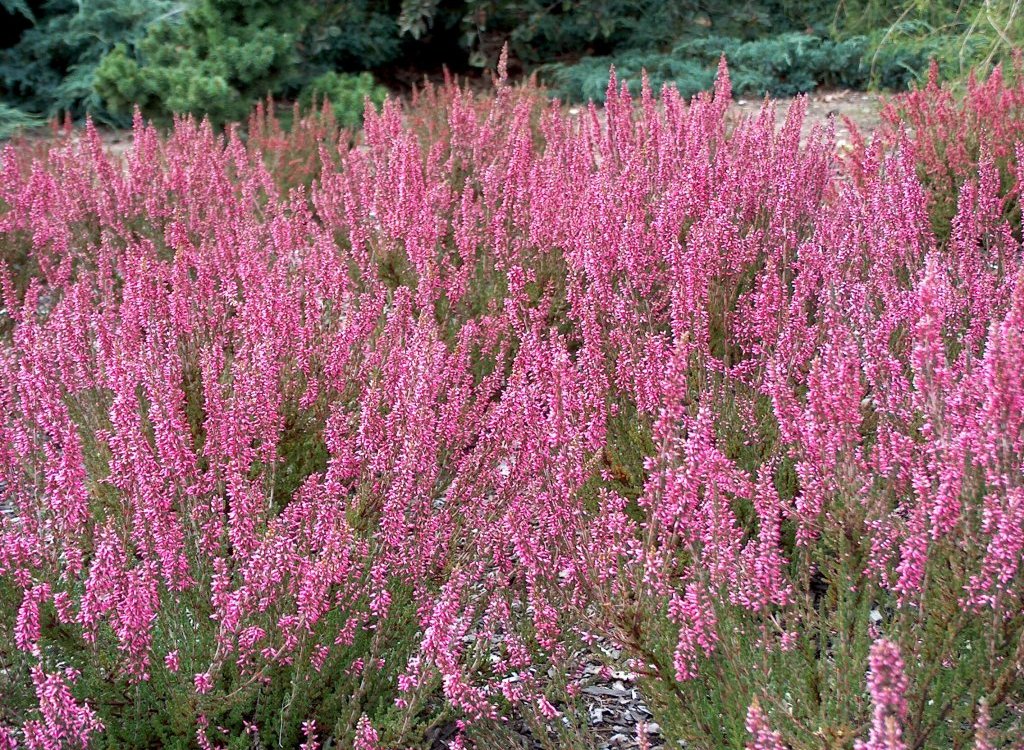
379	440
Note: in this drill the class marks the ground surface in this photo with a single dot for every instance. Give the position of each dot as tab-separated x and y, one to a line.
859	107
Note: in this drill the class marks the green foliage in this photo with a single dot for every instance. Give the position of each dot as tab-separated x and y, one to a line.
217	57
347	94
13	120
225	54
164	709
416	17
995	28
778	48
865	17
539	31
783	65
901	59
222	56
17	7
351	35
961	36
52	67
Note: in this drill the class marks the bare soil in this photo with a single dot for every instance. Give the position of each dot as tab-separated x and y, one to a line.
861	108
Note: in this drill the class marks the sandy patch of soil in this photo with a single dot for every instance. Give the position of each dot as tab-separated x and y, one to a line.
861	108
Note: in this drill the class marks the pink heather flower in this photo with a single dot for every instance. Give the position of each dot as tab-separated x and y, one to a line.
202	738
758	580
203	682
1004	551
309	731
63	605
762	736
699	269
26	627
319	656
914	555
643	742
546	709
64	721
982	738
366	735
7	741
695	614
887	684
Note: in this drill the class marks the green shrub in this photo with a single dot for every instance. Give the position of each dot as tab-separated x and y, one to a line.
902	59
51	68
961	36
16	7
13	120
783	65
223	56
347	94
351	35
539	31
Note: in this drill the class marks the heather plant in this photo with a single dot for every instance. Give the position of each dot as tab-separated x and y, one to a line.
950	135
375	449
290	143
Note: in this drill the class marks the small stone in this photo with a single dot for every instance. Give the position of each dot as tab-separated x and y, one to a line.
598	690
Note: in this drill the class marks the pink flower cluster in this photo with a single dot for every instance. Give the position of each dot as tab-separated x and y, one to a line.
414	376
888	685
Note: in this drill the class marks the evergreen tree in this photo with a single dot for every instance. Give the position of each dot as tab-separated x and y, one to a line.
222	56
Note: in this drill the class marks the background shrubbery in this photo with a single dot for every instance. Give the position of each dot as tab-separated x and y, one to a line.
217	57
56	46
780	65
